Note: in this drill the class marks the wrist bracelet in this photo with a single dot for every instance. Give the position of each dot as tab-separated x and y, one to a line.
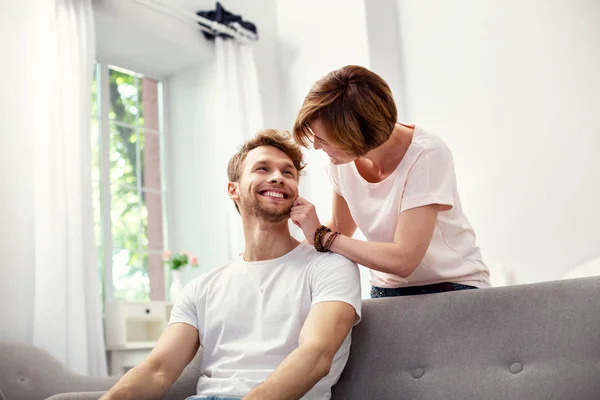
330	240
318	240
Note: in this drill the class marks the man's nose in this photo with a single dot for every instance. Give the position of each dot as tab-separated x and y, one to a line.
276	177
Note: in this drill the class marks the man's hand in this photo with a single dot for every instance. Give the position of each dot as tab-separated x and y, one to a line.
305	217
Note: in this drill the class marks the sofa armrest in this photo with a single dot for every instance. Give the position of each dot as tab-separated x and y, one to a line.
77	396
31	373
184	387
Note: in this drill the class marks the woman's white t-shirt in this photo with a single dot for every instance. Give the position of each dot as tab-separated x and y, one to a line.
424	176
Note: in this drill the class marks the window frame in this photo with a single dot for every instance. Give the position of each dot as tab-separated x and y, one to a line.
102	76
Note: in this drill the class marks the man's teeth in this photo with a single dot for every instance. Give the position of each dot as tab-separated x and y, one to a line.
274	194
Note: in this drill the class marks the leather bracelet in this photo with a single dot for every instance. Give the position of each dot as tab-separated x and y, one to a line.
318	240
330	240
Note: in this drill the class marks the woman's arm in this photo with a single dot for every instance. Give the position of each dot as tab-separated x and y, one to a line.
411	240
341	219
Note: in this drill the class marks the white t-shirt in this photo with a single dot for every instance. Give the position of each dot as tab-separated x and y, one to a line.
424	176
249	316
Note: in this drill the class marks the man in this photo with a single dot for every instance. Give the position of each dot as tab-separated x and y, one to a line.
275	323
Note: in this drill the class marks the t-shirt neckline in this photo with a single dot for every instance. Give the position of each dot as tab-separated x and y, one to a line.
394	172
272	261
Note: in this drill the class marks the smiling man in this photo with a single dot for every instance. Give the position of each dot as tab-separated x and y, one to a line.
275	323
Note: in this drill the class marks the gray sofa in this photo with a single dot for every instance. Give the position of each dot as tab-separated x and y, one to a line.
527	342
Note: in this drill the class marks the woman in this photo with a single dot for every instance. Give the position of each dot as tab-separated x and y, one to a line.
395	182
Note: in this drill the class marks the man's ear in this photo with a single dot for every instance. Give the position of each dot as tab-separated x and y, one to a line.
233	190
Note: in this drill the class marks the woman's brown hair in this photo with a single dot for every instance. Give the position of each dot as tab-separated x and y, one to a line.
354	105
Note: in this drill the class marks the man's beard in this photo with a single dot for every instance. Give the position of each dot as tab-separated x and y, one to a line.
252	206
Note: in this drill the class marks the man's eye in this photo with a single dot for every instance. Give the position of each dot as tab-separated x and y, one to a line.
288	173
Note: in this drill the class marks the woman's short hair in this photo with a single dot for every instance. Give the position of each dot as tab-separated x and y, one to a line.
354	105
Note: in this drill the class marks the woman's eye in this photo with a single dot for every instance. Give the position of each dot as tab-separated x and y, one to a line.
261	169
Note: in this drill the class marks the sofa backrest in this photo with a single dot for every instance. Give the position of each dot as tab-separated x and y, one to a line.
538	341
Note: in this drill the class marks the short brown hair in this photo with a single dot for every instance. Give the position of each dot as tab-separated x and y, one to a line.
355	106
281	140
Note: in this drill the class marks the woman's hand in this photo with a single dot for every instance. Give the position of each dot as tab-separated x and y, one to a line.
305	217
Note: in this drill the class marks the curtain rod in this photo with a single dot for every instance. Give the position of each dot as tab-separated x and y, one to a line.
240	34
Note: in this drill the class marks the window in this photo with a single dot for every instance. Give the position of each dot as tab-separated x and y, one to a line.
128	183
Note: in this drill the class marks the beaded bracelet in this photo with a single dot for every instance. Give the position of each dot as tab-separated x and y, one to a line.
318	240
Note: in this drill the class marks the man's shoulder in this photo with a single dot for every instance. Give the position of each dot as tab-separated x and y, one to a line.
317	259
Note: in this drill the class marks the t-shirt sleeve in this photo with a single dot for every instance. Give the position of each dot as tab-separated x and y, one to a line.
431	180
335	278
185	308
332	173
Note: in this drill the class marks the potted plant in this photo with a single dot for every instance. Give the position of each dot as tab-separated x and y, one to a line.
176	262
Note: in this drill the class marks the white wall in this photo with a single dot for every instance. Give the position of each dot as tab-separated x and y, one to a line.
385	48
316	37
193	224
16	200
314	40
514	88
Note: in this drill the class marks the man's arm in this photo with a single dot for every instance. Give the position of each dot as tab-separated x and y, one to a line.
327	325
151	379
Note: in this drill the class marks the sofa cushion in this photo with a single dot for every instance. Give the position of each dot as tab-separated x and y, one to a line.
536	341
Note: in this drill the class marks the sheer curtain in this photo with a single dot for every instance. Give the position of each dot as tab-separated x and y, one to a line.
239	117
67	318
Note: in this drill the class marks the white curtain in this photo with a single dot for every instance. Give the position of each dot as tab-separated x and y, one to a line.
239	117
67	318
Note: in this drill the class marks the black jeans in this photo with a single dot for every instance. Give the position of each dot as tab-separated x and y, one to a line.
377	292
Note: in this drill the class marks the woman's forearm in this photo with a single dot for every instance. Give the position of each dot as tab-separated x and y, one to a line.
390	258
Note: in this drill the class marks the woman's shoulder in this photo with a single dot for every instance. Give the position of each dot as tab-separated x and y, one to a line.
430	145
428	140
335	171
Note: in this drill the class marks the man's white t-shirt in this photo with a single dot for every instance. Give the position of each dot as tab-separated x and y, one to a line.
424	176
249	316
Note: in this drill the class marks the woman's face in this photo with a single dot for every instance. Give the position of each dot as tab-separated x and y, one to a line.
322	142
